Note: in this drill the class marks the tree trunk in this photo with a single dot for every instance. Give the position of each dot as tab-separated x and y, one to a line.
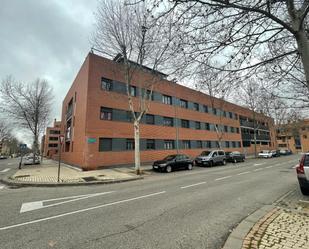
137	156
35	147
303	48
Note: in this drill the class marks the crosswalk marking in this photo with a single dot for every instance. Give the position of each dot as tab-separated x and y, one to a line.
5	170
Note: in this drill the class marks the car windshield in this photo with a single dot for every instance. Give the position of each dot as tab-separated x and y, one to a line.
227	153
205	153
170	157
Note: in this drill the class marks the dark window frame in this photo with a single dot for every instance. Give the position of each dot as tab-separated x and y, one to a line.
183	103
150	144
166	99
150	119
106	113
165	119
106	84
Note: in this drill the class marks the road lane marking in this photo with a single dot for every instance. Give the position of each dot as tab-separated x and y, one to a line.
192	185
2	187
303	201
268	167
80	211
243	173
5	170
30	206
258	169
258	164
222	178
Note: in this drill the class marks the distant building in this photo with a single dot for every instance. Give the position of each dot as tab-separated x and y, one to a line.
98	128
294	136
50	140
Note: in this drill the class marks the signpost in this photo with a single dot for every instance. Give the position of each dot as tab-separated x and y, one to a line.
22	147
61	139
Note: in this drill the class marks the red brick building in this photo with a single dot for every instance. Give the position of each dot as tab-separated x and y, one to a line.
50	140
98	131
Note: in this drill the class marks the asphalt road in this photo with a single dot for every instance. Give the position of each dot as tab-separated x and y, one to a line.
183	210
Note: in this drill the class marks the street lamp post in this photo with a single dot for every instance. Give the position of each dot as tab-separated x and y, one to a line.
61	138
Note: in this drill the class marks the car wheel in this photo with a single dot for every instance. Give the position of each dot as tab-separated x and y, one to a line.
168	169
234	161
190	166
304	191
223	162
243	160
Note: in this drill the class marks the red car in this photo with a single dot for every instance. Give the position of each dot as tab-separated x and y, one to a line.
303	174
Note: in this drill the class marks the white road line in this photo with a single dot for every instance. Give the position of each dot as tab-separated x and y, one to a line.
30	206
258	164
303	201
192	185
258	169
2	186
222	178
80	211
5	170
268	167
243	173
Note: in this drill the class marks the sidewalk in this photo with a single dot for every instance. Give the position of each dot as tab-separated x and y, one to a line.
47	174
284	225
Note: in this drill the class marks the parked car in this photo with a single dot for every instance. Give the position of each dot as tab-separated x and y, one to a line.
234	156
275	153
29	160
266	154
302	171
285	152
172	162
210	158
3	157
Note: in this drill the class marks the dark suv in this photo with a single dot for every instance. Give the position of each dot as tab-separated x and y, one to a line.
172	162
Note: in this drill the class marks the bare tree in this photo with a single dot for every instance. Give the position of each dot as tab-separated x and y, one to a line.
265	38
141	44
28	105
211	82
5	131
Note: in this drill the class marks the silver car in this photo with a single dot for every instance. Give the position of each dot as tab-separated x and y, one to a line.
303	174
210	158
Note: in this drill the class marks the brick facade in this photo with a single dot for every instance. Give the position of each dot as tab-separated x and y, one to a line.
50	140
84	127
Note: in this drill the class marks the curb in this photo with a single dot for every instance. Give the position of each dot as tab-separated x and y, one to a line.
8	181
236	238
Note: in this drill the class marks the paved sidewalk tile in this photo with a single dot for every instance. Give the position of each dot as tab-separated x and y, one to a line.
279	229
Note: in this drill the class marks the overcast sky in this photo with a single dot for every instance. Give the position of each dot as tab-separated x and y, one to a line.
47	39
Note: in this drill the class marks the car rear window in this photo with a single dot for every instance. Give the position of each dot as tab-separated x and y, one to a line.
221	153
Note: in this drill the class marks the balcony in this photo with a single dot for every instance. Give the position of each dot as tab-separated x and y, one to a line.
251	125
69	113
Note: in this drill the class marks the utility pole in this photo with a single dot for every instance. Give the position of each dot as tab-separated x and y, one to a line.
61	138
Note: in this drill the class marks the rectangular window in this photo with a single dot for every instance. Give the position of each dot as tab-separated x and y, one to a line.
130	144
167	121
199	144
196	107
236	116
208	144
150	144
207	126
132	90
53	138
186	144
184	123
167	99
205	108
106	113
232	129
105	144
214	111
52	145
234	144
54	132
106	84
237	130
168	144
197	125
148	96
231	114
150	119
225	128
227	144
224	113
183	103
